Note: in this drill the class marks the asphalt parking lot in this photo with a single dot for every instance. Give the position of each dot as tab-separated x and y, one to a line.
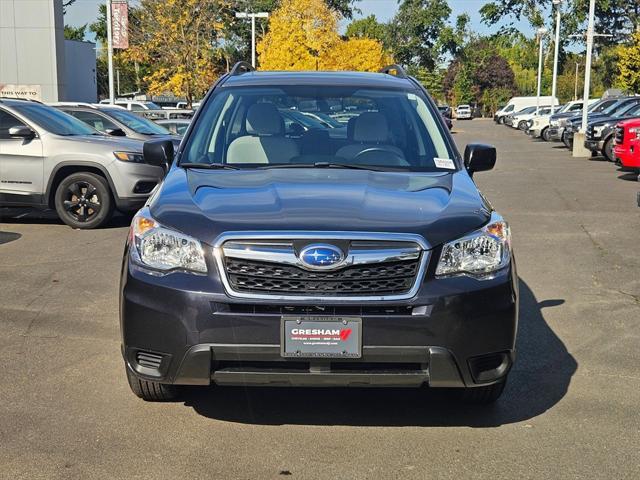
571	409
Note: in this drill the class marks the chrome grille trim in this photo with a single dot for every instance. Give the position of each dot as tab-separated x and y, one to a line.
233	244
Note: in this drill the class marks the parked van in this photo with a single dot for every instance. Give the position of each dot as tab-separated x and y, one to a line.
517	104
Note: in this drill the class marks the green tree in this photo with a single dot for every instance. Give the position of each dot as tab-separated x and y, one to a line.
75	33
629	65
414	32
367	27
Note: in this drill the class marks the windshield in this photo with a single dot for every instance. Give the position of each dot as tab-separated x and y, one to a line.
627	109
138	124
152	106
261	127
526	110
54	120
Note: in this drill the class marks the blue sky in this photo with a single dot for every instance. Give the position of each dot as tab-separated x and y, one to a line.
85	11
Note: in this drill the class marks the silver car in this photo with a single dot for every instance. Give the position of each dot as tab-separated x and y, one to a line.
49	159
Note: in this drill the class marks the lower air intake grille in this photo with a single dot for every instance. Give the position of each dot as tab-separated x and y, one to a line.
149	360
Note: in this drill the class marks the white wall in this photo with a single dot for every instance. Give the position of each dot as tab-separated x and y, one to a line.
80	72
32	46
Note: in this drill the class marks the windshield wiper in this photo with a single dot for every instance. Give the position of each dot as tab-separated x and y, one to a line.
208	166
326	165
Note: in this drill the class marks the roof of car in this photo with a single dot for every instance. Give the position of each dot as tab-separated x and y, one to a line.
360	79
10	101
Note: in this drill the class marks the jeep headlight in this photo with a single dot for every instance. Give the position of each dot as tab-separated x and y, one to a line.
132	157
478	254
160	248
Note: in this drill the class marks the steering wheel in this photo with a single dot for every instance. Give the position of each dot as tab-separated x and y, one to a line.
398	159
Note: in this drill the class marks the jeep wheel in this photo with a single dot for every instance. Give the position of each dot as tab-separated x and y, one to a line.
83	200
546	135
484	395
151	391
607	150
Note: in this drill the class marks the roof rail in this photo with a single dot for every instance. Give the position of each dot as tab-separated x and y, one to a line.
240	68
21	98
395	70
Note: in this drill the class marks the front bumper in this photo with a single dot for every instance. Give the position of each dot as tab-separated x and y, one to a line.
628	155
200	335
555	133
594	145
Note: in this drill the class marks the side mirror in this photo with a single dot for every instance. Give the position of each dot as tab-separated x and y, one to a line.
479	157
115	132
22	132
158	153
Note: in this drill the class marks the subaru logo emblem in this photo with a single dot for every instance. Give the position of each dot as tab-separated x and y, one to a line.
321	256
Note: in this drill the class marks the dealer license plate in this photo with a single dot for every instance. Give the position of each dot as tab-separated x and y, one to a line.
324	337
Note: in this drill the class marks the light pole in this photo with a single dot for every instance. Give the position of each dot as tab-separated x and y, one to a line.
110	53
554	84
575	88
578	138
541	33
253	17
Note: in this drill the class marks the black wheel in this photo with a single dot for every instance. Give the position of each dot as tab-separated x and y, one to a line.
566	142
545	135
83	200
607	150
522	125
151	391
484	395
501	121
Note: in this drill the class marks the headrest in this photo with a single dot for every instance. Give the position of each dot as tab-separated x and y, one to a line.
264	119
371	127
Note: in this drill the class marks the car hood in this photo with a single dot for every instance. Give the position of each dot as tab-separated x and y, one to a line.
206	203
115	143
610	120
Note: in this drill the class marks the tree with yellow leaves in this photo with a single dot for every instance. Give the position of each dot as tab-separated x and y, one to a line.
303	35
176	37
629	65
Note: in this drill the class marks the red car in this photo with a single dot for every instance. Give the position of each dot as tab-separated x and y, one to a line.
627	148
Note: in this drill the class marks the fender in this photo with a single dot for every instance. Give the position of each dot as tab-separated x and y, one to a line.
80	163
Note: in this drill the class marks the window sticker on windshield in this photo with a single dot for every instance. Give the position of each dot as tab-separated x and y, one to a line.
444	163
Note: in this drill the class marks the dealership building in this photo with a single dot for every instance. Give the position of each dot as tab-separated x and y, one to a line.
35	59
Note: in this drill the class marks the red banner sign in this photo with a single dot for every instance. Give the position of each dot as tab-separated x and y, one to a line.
120	24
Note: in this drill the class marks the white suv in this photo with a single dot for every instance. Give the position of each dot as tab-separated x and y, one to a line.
463	112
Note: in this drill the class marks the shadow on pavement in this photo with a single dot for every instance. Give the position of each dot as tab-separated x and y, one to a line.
21	216
629	176
538	381
6	237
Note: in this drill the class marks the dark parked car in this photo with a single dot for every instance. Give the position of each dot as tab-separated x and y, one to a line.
270	258
559	121
618	108
600	134
117	121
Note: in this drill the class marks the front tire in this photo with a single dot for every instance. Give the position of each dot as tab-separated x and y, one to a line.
545	135
83	200
151	391
607	150
522	125
484	395
501	121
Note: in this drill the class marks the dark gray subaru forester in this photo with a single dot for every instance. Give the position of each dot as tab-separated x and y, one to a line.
318	229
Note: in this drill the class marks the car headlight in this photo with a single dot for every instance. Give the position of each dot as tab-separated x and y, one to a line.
554	123
132	157
478	254
161	248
